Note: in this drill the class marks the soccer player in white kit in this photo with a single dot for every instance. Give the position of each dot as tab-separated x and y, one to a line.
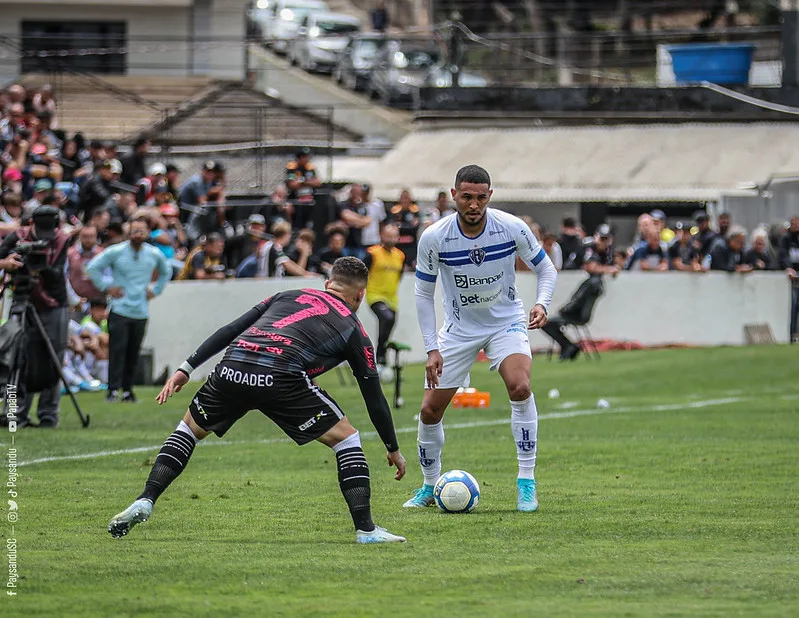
475	253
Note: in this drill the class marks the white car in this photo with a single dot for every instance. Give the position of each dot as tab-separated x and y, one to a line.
283	19
320	40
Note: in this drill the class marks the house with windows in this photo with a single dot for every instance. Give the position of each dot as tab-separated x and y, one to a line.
124	37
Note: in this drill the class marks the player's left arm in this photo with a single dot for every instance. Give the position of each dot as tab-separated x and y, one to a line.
537	259
213	345
360	355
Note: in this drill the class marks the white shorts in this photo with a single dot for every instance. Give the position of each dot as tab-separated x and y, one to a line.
460	352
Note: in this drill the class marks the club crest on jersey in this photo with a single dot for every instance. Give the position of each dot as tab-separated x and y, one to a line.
477	256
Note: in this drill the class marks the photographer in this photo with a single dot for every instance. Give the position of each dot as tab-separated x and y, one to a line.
39	270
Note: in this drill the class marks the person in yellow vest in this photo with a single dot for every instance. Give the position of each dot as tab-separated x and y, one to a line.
385	263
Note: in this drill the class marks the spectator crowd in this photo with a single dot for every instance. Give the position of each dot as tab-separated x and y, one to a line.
100	193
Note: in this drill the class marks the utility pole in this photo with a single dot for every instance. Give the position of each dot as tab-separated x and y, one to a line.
790	43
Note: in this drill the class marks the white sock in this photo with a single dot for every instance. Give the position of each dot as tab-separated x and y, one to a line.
184	428
353	441
524	424
101	370
431	442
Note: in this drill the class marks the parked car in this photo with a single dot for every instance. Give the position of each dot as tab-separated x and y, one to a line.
320	40
399	70
356	61
283	18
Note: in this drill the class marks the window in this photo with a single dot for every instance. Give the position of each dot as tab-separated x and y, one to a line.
70	37
332	28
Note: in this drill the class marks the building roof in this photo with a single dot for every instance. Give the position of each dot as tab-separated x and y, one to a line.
686	162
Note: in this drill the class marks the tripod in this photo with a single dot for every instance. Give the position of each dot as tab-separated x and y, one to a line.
21	311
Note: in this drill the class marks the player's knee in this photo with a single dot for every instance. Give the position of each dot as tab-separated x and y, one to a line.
519	391
430	415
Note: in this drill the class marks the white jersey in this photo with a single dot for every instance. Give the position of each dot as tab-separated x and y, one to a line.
478	274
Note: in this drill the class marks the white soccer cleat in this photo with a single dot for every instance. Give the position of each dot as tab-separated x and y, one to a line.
378	535
137	513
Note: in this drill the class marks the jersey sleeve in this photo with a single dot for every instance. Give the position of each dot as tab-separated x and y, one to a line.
222	337
536	258
427	257
426	274
360	354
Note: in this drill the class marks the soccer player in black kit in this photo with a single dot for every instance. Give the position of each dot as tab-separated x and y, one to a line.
273	353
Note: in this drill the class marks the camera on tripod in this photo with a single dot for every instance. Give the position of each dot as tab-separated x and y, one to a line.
33	254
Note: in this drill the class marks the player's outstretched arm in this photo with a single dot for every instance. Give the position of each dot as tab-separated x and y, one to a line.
213	345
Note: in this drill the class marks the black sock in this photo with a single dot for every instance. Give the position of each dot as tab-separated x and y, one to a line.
170	462
353	478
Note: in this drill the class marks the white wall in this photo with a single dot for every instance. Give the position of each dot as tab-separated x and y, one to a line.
163	25
652	308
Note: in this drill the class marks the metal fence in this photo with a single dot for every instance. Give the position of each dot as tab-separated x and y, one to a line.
617	57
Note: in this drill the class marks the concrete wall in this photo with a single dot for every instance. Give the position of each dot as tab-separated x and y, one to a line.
170	26
652	308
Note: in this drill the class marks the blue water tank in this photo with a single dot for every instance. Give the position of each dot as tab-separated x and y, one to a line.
719	63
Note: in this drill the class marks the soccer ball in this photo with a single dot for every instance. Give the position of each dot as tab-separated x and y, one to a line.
456	491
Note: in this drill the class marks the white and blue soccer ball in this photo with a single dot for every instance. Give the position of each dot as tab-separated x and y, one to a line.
456	491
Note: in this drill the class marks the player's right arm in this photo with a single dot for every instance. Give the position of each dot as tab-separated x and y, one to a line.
426	275
213	345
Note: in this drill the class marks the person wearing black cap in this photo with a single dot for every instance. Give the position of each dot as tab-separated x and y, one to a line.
705	238
49	299
172	178
683	255
202	200
241	246
96	191
134	165
301	181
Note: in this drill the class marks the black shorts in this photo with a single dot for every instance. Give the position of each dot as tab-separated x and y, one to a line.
297	405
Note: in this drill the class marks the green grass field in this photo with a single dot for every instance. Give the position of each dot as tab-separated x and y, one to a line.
681	499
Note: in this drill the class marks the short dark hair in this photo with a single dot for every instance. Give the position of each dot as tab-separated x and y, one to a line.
214	237
569	222
349	271
98	301
473	174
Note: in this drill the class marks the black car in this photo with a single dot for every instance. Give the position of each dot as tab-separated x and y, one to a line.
355	64
400	69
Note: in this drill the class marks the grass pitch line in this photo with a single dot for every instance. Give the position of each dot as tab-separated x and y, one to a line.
371	434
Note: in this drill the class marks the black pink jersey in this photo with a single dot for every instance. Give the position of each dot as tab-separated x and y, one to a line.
305	331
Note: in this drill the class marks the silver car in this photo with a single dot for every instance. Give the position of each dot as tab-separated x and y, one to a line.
320	40
399	70
283	19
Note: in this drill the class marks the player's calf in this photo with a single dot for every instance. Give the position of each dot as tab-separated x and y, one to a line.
169	463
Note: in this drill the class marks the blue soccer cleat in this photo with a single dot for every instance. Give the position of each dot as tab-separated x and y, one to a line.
527	501
422	498
136	513
378	535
